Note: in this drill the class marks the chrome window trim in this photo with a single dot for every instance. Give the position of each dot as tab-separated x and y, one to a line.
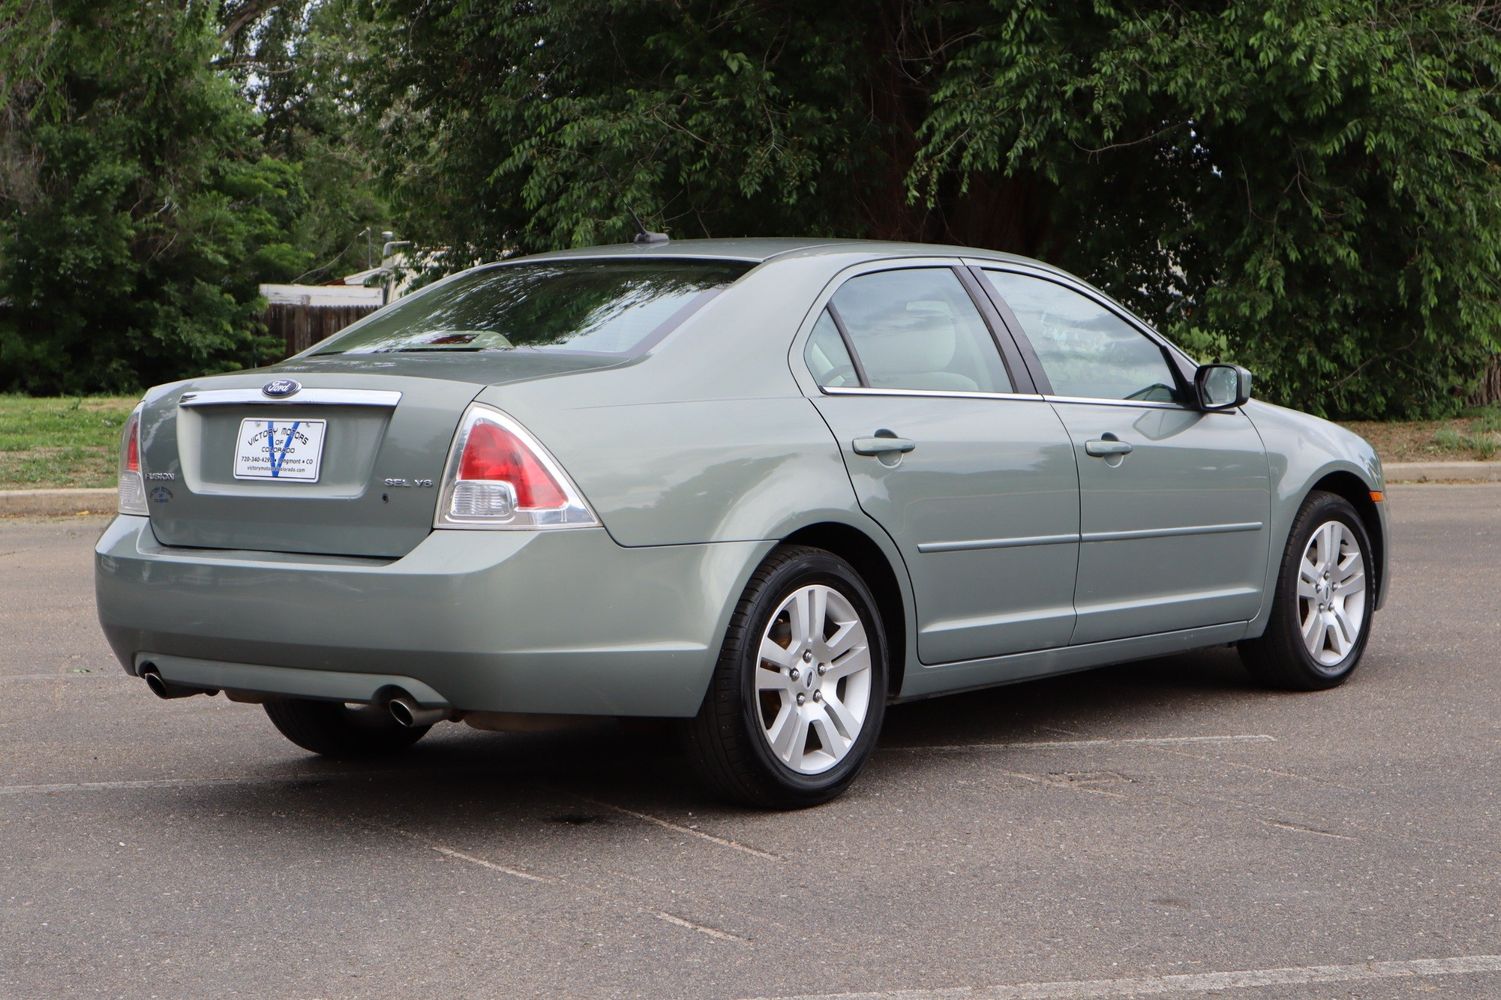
1146	404
307	397
839	390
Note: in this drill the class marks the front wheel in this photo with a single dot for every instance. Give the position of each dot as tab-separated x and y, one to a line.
798	694
1321	610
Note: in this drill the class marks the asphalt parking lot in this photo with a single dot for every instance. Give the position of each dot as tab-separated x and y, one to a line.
1160	828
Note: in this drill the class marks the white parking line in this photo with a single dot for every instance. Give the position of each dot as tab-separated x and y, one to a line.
1203	982
111	786
707	931
1143	741
678	828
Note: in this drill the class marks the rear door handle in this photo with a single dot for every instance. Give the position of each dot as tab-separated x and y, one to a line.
1106	447
881	444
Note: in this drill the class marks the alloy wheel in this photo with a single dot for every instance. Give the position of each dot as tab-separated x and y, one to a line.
813	679
1331	593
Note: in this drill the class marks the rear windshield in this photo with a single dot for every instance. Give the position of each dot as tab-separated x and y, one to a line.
595	307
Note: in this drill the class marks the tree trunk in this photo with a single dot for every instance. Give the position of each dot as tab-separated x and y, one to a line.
1488	392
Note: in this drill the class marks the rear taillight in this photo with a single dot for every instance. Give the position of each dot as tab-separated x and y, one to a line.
499	476
132	487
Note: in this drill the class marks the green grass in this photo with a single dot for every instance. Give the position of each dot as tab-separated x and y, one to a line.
1482	446
60	442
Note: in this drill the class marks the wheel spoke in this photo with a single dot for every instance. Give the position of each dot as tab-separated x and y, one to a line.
774	652
1352	586
840	715
1312	631
835	743
852	662
848	636
1352	565
785	730
1308	570
818	613
1341	641
772	680
798	743
1321	547
1306	587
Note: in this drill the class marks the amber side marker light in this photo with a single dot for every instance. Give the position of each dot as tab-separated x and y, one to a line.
1377	496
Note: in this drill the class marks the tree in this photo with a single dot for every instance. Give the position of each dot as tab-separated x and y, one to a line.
137	212
294	62
1310	186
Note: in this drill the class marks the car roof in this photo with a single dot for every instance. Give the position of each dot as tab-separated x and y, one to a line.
761	249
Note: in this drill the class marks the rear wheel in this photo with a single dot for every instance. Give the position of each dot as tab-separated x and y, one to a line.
336	730
1321	611
799	691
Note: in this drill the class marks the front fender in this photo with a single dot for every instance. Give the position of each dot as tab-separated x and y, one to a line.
1302	451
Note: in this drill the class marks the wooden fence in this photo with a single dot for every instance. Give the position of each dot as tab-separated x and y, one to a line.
302	326
301	315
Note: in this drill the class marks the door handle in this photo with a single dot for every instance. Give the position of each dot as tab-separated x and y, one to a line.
1106	447
882	444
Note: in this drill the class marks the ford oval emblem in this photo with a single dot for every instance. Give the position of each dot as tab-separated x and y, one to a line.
281	387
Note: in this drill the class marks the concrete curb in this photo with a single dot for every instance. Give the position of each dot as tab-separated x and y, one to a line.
1443	472
56	503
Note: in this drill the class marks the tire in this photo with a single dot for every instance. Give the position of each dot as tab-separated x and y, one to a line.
1316	635
332	729
838	669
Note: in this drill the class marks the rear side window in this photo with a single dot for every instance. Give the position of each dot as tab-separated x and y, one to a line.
1085	349
596	307
917	328
828	359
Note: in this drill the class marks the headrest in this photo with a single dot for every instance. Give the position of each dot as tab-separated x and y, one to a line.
922	338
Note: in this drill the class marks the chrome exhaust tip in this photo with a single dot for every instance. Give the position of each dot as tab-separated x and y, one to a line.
412	715
165	691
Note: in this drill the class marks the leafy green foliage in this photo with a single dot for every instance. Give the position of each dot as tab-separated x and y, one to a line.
1307	186
137	213
294	62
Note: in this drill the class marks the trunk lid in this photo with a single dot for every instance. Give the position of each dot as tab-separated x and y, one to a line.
350	462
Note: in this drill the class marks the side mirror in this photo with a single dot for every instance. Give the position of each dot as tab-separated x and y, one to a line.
1222	387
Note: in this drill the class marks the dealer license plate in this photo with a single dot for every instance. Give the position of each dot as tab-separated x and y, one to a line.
279	449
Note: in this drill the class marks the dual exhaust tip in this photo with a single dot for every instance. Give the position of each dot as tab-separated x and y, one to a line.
402	708
413	716
162	689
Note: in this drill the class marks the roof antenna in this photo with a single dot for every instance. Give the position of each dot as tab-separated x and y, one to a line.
644	235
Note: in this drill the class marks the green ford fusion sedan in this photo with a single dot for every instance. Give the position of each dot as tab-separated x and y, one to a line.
763	487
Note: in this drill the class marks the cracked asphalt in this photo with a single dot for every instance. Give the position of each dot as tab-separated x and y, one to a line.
1158	828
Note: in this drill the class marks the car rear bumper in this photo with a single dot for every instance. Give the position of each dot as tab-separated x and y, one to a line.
549	621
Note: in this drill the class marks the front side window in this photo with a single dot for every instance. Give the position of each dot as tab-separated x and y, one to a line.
917	328
1085	349
598	307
